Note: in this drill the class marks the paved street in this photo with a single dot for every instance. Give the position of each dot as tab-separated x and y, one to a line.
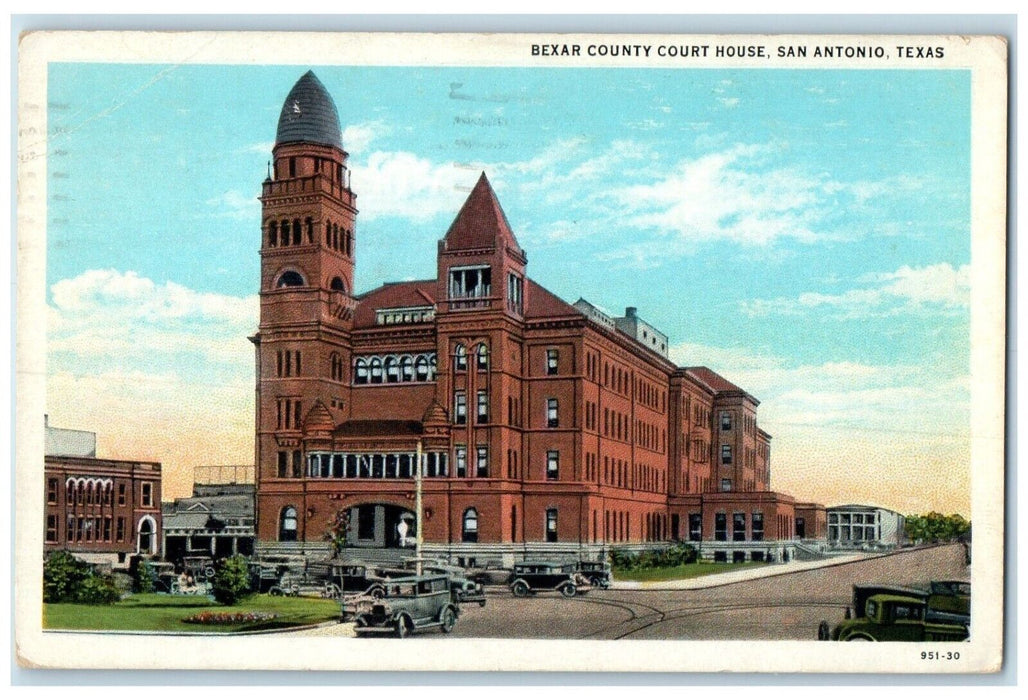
787	606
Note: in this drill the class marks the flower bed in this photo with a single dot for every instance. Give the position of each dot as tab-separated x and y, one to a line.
228	618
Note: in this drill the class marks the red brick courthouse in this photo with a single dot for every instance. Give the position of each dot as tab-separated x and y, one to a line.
545	426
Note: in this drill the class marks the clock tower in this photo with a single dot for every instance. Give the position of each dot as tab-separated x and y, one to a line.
306	294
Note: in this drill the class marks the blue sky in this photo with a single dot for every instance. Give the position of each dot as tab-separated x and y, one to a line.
805	233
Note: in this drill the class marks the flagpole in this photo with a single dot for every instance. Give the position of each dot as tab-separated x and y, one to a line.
417	514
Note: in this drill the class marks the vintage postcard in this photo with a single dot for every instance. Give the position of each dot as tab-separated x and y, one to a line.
511	352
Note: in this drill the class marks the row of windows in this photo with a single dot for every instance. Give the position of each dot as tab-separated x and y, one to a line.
289	233
854	518
394	369
853	533
335	465
80	529
756	531
649	478
339	239
95	492
649	436
290	414
415	314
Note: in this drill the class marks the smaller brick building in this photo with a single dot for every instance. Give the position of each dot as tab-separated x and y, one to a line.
101	510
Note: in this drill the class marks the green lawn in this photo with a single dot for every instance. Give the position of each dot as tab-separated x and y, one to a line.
683	571
164	613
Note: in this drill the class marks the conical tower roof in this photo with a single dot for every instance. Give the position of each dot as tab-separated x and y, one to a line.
309	115
481	222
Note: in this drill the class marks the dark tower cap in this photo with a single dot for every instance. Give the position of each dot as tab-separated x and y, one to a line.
309	115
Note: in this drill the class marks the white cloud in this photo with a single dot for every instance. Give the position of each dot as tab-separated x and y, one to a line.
403	184
938	288
234	204
357	137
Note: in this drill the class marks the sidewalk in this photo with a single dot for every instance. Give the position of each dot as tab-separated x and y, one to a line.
714	580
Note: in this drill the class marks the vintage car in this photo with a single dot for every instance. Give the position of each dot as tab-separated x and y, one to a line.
893	613
358	577
492	573
949	601
305	585
462	588
408	605
597	573
529	578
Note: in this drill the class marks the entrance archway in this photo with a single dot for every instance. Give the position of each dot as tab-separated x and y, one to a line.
380	525
146	542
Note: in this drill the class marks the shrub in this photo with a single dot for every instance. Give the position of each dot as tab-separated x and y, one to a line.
666	557
98	590
63	575
231	581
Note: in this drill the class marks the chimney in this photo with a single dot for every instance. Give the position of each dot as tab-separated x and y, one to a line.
630	311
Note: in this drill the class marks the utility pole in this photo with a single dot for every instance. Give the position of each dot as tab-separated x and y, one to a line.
417	514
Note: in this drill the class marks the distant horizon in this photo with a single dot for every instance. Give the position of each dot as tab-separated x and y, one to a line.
818	248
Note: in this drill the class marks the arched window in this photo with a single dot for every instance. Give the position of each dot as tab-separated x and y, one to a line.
392	370
284	228
291	278
360	371
337	285
376	370
287	525
273	234
421	368
431	367
469	531
407	368
147	541
349	243
310	229
328	234
296	232
460	358
482	357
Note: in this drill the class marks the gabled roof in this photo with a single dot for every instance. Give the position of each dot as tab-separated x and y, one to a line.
541	303
393	295
480	223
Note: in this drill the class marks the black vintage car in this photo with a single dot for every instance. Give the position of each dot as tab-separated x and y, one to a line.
529	578
407	605
358	577
597	573
462	588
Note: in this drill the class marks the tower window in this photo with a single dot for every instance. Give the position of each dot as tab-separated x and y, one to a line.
551	413
482	464
291	278
337	285
296	232
726	420
273	234
461	453
470	282
551	361
460	358
482	358
726	454
552	464
483	407
515	292
460	408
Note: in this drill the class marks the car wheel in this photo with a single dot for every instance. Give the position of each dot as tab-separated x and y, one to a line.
377	593
568	590
481	603
594	582
449	619
403	627
519	589
860	638
823	633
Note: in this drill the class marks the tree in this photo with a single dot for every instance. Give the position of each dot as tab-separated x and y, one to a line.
936	527
144	578
63	575
337	530
231	581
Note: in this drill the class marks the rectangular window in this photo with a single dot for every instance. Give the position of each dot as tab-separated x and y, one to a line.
551	361
462	461
695	527
726	454
757	523
51	528
721	527
460	408
107	529
726	420
726	484
283	465
482	465
474	282
147	494
515	292
297	464
738	527
551	413
483	407
120	529
552	464
551	525
51	490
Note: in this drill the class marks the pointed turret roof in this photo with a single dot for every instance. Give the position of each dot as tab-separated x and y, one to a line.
480	223
309	115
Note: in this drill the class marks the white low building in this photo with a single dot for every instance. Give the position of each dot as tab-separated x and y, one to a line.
855	526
